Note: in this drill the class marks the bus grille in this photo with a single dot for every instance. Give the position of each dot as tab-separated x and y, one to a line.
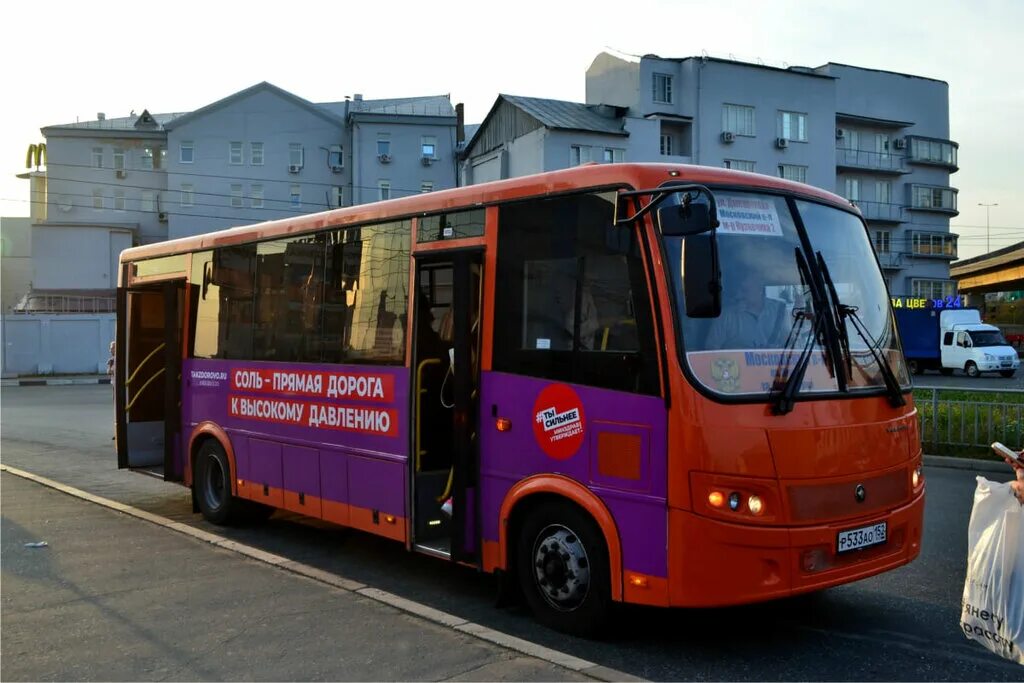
810	503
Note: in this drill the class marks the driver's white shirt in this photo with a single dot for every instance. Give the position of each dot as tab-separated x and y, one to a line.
741	328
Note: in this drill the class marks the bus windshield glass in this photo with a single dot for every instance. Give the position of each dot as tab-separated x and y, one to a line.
770	313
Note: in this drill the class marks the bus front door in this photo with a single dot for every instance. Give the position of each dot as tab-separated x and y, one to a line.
446	352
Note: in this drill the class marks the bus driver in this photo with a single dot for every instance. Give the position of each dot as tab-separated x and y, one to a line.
752	320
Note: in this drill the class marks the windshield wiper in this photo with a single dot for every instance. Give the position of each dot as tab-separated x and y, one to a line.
844	338
783	401
843	311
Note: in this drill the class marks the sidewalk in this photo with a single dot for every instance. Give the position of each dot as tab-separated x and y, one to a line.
112	598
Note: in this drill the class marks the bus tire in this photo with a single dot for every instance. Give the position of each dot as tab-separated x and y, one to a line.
972	369
562	564
212	484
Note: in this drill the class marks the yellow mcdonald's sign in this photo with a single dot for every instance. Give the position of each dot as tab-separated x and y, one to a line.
36	154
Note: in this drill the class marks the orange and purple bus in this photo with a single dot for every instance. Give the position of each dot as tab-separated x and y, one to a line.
652	384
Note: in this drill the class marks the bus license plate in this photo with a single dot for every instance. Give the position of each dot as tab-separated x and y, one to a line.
864	537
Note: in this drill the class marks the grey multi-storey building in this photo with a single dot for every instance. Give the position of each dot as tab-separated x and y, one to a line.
881	139
259	154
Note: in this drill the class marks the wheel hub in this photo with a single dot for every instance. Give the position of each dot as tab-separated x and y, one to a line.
561	567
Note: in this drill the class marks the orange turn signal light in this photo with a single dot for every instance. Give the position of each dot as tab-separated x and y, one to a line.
503	424
716	499
638	581
390	519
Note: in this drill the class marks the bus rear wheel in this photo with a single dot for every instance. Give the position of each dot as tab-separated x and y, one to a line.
562	564
212	489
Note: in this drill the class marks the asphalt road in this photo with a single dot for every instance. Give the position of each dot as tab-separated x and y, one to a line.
959	380
902	625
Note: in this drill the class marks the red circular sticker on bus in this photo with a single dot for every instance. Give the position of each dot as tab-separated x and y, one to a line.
558	423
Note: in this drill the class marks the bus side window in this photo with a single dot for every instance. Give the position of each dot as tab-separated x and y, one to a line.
572	302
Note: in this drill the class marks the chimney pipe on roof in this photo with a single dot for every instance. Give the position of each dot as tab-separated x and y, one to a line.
460	123
358	97
100	116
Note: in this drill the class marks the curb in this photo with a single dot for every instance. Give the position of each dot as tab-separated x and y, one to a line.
443	619
44	382
967	464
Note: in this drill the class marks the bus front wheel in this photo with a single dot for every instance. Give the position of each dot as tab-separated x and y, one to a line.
562	563
212	485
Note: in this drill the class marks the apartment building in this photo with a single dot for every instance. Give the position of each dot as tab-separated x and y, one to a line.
879	138
260	154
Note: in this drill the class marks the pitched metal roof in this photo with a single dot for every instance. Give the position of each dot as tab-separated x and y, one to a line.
563	115
119	123
429	105
259	87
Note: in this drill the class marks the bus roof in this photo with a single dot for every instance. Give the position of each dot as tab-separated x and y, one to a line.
637	175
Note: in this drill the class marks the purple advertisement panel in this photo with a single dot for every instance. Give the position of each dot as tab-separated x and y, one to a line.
612	442
320	430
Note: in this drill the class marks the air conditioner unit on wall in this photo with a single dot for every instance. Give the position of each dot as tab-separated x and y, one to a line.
336	168
121	173
162	216
840	133
294	168
782	143
384	158
427	161
728	136
900	143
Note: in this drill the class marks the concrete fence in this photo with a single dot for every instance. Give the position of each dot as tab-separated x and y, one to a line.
54	343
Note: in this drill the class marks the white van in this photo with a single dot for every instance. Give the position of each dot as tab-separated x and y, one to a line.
974	347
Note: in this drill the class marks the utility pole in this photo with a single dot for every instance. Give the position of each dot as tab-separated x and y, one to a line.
988	232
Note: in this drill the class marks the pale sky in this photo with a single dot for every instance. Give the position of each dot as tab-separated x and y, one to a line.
65	61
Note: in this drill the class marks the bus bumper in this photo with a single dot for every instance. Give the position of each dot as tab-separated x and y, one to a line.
714	563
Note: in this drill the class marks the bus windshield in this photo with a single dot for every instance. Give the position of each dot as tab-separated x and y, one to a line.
770	314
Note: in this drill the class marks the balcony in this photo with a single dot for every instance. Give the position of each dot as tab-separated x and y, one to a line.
880	212
933	152
933	245
890	260
877	162
933	198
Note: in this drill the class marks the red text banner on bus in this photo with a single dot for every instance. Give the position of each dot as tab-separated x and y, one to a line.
363	419
321	384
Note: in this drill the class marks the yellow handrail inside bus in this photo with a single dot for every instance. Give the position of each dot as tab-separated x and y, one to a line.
143	388
139	366
419	404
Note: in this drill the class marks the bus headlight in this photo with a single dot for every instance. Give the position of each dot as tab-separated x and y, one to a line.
734	501
917	477
755	505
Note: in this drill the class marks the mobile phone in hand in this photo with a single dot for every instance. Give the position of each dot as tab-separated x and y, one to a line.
1008	453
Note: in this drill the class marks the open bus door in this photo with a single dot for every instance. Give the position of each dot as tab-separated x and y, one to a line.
446	352
148	378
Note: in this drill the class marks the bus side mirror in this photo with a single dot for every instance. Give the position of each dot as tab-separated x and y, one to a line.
702	277
682	220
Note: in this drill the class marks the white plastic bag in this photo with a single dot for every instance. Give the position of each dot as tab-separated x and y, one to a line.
993	602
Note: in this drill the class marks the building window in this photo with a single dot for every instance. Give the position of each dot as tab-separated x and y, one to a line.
187	152
383	144
882	241
932	289
926	197
337	196
933	244
335	158
118	159
161	157
97	199
428	146
793	126
933	151
666	145
851	140
146	159
852	189
236	196
383	189
148	202
296	155
426	186
579	154
295	195
256	153
118	200
187	194
235	153
612	155
793	172
739	165
738	119
883	191
882	144
97	157
256	196
662	88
